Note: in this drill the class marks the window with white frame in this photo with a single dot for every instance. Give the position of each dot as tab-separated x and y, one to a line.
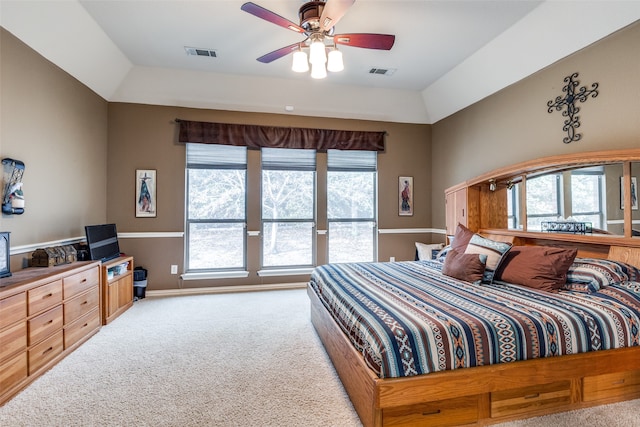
288	207
351	205
587	196
216	207
544	200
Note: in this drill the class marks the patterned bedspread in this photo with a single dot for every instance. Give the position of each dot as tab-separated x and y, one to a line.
406	318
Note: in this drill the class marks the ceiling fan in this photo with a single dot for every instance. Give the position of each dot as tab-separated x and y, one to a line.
317	23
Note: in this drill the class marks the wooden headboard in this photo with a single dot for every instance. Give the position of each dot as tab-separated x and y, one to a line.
626	254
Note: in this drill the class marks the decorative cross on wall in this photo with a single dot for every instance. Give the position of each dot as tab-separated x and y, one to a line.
573	120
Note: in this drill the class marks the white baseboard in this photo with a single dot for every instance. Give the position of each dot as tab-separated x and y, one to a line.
224	289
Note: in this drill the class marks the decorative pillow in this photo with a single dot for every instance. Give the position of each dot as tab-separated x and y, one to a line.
425	251
467	267
440	256
537	267
592	274
495	252
461	238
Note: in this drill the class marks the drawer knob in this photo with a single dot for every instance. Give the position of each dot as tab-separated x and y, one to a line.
434	412
618	382
47	295
532	396
85	302
47	350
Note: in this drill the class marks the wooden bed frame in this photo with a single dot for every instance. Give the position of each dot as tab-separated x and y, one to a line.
487	394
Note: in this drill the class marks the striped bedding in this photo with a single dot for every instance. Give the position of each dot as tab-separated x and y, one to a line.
406	318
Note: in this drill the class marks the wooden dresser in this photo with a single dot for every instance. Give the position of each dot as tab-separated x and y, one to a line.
45	313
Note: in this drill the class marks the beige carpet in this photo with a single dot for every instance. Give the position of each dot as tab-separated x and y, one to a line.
247	359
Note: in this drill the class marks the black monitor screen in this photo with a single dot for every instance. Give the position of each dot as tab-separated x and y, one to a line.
102	241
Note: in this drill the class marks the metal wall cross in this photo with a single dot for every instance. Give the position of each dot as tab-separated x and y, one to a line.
573	120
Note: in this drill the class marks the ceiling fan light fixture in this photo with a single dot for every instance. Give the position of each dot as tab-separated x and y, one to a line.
318	71
334	62
300	62
317	52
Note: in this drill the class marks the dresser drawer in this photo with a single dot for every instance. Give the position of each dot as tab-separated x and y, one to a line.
13	339
46	351
81	304
450	412
530	399
13	309
611	386
81	327
82	281
44	297
45	324
13	371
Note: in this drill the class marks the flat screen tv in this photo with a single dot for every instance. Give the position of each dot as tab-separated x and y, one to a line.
102	240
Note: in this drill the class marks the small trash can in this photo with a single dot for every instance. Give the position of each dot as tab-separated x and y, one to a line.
139	282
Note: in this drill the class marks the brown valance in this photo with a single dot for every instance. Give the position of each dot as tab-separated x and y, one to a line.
257	137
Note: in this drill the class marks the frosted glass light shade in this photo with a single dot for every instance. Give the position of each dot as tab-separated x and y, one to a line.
317	54
300	63
318	71
335	63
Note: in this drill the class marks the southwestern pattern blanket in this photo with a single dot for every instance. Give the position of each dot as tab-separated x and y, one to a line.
406	318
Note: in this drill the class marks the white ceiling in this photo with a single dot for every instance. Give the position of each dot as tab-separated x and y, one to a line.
447	54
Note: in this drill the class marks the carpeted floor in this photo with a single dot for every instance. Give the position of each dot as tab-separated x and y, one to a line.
246	359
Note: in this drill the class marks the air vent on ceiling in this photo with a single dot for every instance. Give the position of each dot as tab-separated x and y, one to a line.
196	51
382	71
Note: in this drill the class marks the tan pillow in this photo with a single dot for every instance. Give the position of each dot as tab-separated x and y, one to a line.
467	267
537	267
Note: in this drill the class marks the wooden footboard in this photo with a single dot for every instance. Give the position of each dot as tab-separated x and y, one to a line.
481	395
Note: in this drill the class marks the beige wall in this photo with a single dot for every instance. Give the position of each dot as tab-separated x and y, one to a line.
144	137
58	128
72	141
514	125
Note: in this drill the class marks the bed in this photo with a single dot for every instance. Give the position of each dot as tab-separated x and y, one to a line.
490	353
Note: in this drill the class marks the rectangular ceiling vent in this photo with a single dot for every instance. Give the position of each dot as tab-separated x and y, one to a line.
382	71
196	51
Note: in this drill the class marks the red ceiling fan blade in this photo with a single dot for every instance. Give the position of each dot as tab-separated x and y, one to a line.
368	41
274	18
333	11
277	54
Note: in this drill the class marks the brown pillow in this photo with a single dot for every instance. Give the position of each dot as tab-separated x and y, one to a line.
538	267
467	267
461	238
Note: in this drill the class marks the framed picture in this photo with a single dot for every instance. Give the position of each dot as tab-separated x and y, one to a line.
634	193
146	193
405	196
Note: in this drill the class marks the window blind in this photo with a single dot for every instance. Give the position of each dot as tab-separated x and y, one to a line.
217	156
351	160
288	158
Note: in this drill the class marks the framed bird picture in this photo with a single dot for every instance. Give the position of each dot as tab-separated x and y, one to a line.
146	193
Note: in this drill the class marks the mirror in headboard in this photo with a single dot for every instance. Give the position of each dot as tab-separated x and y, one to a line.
587	188
589	194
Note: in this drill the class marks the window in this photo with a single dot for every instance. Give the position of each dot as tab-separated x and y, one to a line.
543	200
586	196
351	205
216	207
513	207
288	207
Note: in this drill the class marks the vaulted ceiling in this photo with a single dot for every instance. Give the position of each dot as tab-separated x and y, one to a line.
447	54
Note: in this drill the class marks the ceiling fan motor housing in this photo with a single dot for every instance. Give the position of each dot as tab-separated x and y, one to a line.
310	14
